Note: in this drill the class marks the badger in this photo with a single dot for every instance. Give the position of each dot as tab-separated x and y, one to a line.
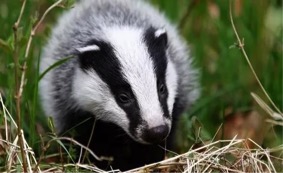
129	79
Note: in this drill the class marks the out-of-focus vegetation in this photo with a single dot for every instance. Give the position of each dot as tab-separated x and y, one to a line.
226	80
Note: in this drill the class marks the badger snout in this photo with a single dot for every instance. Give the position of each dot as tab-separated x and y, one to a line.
156	135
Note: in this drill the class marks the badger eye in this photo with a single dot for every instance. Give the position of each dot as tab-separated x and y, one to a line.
123	98
161	88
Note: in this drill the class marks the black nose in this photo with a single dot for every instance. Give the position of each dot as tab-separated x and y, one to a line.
156	134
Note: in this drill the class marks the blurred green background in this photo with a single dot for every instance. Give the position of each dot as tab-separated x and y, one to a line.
226	80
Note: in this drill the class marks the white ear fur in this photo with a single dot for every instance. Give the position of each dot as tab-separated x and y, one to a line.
88	48
159	32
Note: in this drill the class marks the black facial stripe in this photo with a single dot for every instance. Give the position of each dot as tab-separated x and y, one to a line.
163	101
157	49
108	67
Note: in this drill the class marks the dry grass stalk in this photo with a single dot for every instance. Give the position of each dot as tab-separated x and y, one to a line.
13	148
278	119
20	84
240	44
207	158
215	159
17	87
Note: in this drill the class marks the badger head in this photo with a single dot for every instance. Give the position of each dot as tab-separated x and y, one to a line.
128	79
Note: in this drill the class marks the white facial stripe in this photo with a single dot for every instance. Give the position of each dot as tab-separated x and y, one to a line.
159	32
138	69
88	48
171	82
93	95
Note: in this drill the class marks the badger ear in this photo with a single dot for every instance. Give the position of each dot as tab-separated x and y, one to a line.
161	36
86	55
159	32
89	48
95	53
156	38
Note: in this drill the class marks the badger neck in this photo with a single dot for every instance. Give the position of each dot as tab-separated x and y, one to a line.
110	140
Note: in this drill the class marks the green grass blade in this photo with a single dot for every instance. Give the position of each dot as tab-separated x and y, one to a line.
53	66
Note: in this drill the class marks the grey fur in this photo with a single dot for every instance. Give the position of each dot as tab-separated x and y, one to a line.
84	22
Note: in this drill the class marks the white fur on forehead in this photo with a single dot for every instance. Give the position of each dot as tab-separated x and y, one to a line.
138	69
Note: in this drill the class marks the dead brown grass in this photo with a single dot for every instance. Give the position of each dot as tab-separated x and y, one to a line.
233	156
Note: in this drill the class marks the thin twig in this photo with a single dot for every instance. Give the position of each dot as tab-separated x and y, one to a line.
101	158
43	150
88	167
26	149
20	86
241	46
17	88
5	118
33	31
16	25
88	143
